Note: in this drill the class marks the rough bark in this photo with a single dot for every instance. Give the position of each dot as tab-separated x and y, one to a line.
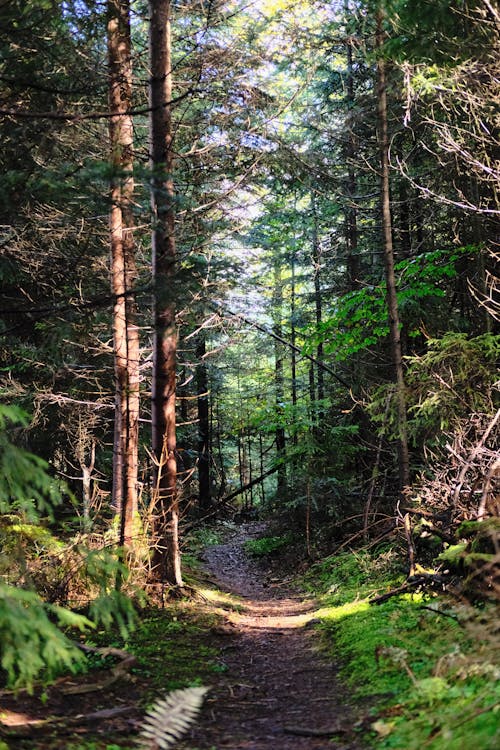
351	213
166	557
279	381
318	303
123	270
204	497
392	303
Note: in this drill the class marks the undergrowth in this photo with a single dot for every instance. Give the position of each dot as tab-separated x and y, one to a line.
267	545
427	666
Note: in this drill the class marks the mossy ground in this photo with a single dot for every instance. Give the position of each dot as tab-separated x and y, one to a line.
428	668
423	668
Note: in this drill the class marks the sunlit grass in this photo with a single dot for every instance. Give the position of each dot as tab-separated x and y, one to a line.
428	668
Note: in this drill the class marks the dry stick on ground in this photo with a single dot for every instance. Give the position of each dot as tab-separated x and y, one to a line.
420	580
117	672
306	732
62	722
494	470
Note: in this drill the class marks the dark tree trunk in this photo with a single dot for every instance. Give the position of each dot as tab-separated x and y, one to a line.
318	303
166	558
351	213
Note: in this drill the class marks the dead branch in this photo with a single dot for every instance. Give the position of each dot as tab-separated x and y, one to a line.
428	580
306	732
117	672
468	463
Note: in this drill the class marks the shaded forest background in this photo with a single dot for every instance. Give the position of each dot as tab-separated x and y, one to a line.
316	243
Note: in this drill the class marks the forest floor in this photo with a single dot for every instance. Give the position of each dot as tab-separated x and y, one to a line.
279	691
422	668
247	636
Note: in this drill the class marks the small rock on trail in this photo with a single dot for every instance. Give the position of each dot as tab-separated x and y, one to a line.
278	692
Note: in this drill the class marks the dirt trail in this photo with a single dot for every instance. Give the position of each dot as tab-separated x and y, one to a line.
277	685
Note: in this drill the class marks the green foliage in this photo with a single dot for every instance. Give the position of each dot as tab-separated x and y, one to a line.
172	649
359	319
441	31
454	379
25	484
32	644
267	545
342	576
429	670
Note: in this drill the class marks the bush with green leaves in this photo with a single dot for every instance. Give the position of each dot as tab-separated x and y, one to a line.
358	319
35	642
453	381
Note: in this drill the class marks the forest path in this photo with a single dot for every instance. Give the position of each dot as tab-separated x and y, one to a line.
276	685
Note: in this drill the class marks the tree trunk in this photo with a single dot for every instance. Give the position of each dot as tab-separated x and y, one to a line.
166	558
293	352
351	213
279	382
123	271
204	497
392	303
250	466
318	303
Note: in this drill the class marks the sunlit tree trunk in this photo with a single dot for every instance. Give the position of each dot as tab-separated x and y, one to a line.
166	558
392	303
123	271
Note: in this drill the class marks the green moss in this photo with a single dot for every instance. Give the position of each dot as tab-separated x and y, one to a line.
267	545
172	650
429	673
472	528
453	555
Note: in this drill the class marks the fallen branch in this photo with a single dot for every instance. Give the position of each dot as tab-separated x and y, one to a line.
415	583
305	732
468	463
117	672
249	485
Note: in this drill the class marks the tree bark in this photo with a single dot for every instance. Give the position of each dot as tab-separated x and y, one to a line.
293	349
204	496
166	557
279	383
123	271
392	303
351	213
318	304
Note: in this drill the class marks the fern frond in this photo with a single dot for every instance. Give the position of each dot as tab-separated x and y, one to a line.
170	717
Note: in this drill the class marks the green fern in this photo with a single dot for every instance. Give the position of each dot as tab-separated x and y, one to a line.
170	717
